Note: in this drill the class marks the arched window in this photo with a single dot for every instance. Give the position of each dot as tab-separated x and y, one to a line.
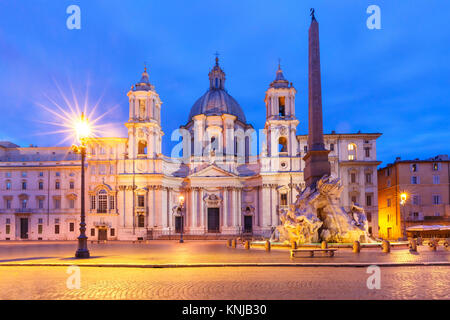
102	201
282	144
142	147
351	151
282	106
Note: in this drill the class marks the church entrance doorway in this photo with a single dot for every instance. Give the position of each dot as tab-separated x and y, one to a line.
248	224
213	220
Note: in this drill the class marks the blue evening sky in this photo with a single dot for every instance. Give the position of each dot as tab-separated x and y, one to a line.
395	80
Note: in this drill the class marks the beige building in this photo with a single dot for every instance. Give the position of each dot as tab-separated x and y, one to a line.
426	186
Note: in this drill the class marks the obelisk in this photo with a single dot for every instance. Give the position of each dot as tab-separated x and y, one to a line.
316	158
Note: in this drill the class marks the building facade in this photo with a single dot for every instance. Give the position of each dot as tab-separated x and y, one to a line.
217	186
425	183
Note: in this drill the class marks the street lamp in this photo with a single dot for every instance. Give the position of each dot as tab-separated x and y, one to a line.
403	198
83	131
181	201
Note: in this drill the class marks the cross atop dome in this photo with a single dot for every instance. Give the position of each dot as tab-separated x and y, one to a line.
144	84
280	81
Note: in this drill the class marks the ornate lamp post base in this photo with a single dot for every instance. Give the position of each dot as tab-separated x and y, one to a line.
82	254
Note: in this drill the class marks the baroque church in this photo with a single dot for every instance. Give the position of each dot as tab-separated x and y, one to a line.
218	187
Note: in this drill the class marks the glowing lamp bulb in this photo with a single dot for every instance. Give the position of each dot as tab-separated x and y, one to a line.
82	128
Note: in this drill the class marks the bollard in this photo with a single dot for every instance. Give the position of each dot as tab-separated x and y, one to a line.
293	245
386	246
233	243
413	245
356	247
247	245
267	245
324	245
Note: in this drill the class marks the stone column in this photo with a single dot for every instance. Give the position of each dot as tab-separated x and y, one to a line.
266	206
193	217
201	211
225	208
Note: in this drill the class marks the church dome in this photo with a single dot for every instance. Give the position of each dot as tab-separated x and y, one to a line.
217	101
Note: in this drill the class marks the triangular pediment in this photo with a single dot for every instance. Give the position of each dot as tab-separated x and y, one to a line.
213	171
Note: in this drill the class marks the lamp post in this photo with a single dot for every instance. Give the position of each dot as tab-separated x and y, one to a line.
403	198
83	131
181	200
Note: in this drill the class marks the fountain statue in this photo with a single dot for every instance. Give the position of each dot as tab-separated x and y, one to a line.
317	216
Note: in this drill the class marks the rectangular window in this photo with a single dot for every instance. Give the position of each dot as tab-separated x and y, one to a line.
436	166
8	229
92	232
141	201
24	185
71	204
40	220
414	167
8	204
57	204
113	232
57	185
71	185
41	185
368	178
353	177
40	228
436	199
58	174
102	169
92	202
41	174
436	180
305	148
332	147
8	185
351	157
24	203
414	180
71	227
388	202
416	200
111	203
56	228
41	203
368	200
367	150
24	174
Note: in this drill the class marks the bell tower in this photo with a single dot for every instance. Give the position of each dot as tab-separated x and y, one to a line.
144	123
281	123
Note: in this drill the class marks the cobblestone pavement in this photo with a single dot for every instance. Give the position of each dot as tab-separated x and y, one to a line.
225	283
172	252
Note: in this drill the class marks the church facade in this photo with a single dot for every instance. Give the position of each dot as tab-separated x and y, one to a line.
215	186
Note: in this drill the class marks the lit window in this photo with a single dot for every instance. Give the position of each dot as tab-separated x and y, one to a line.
351	147
8	185
102	202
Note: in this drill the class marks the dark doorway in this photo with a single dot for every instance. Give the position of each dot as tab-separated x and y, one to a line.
102	234
213	220
178	224
248	224
23	228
